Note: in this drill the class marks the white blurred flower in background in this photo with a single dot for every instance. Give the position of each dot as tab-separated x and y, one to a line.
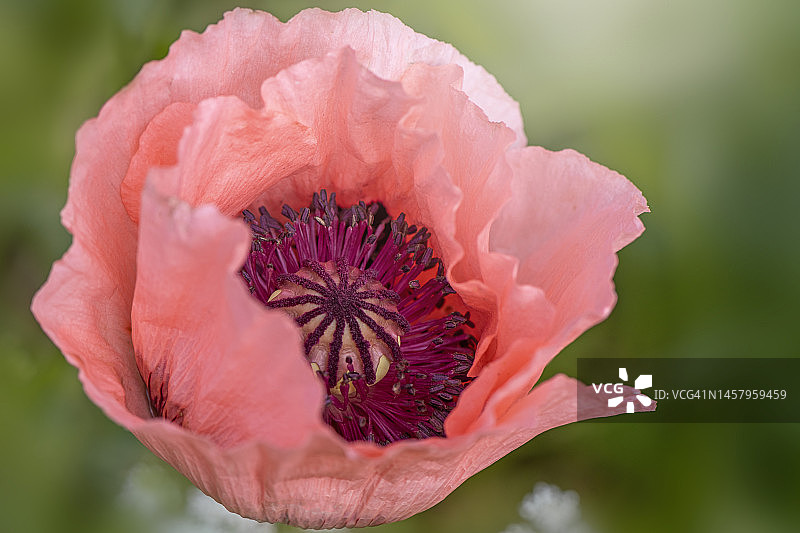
548	509
146	493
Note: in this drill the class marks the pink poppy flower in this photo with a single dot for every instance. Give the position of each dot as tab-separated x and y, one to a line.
326	360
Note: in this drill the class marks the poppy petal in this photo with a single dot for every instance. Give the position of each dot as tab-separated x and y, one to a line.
215	361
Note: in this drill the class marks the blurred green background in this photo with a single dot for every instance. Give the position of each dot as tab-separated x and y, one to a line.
698	103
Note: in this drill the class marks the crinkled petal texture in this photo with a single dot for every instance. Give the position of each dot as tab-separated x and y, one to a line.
149	305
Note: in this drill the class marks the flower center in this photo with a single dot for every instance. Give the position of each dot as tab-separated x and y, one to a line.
368	296
347	318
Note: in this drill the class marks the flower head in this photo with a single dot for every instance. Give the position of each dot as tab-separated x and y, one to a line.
352	360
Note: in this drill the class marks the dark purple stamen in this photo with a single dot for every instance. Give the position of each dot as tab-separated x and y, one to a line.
363	290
